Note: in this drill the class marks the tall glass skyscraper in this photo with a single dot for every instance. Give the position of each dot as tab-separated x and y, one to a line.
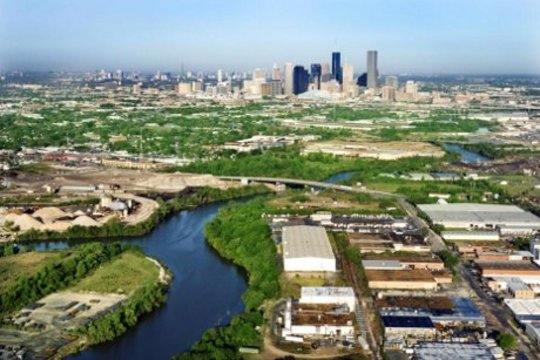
316	73
300	80
336	66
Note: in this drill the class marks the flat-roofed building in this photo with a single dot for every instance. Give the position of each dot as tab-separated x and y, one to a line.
452	351
307	248
524	310
398	327
533	330
401	279
471	216
508	269
328	295
470	235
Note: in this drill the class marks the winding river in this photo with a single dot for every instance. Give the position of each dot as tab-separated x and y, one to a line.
205	292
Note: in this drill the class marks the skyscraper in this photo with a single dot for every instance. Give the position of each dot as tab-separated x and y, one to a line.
276	74
362	80
348	80
392	81
219	75
336	66
325	72
288	89
316	73
300	80
372	71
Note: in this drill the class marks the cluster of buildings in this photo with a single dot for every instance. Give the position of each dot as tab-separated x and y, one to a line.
263	142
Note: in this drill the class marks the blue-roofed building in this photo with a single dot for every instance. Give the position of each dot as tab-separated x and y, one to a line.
396	327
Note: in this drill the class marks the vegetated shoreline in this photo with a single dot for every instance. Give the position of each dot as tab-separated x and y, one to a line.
114	229
74	265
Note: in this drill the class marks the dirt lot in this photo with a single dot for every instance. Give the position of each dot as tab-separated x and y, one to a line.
53	314
389	150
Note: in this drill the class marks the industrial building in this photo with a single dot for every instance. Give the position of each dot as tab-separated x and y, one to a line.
320	320
401	280
452	351
402	262
439	309
470	235
307	248
533	330
524	310
328	295
398	327
508	269
481	216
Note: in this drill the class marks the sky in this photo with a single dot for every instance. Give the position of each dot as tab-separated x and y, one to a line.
411	36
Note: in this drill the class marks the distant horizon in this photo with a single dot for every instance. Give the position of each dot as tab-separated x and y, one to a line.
416	36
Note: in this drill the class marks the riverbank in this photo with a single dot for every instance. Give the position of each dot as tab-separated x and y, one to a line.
67	300
114	228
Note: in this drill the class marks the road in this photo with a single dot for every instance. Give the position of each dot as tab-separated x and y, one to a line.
499	312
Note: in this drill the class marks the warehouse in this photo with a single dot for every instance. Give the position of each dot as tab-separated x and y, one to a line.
401	279
328	295
524	310
481	216
397	327
533	330
403	262
307	248
509	269
324	320
470	235
452	351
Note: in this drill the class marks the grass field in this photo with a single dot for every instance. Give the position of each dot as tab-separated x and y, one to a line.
12	267
123	275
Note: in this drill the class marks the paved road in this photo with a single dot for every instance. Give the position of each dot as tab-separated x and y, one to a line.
503	315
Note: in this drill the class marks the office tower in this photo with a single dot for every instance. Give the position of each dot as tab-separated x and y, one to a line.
219	75
259	74
316	75
411	88
336	66
184	88
348	80
276	74
362	80
372	71
325	72
392	81
118	75
300	80
272	88
288	85
389	93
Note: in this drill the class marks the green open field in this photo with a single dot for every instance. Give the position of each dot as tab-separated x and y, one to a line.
123	275
14	266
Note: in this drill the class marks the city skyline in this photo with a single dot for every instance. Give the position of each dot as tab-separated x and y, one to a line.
462	37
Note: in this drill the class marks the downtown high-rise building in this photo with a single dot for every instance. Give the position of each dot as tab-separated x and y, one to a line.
325	72
316	74
336	66
348	80
219	75
392	81
372	70
276	73
288	84
300	80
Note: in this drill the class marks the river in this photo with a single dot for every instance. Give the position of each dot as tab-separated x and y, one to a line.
466	155
205	291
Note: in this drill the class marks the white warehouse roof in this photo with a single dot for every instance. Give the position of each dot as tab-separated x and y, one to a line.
493	214
524	306
324	291
306	242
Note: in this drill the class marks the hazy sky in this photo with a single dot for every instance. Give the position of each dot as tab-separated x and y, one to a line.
415	36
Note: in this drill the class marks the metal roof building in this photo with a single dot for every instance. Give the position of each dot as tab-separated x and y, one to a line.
307	248
468	215
452	351
328	295
524	310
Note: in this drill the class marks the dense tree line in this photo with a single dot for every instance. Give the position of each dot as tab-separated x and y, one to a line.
118	321
73	265
240	234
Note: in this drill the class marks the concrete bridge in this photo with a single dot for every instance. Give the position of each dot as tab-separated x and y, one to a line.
299	182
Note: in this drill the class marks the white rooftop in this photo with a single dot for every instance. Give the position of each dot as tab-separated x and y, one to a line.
305	241
312	291
452	351
524	306
488	213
